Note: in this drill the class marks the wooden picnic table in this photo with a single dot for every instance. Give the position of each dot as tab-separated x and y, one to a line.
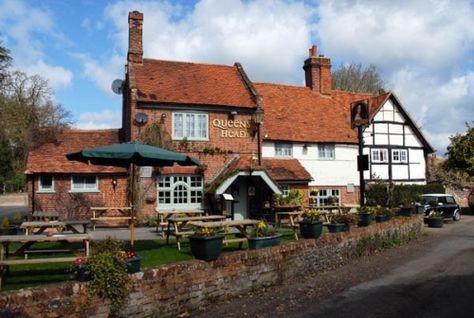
240	225
163	216
293	218
177	226
122	213
27	241
41	226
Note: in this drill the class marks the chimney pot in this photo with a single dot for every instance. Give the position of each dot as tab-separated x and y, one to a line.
313	51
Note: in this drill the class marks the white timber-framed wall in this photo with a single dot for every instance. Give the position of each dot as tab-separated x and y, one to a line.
396	148
338	173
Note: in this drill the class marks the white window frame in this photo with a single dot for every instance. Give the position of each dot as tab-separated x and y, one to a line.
323	195
379	155
399	155
326	151
188	119
42	188
84	185
170	187
285	189
283	149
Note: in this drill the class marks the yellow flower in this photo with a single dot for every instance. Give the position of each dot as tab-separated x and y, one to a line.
261	225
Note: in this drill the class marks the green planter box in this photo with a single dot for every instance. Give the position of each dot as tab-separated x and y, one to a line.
133	264
256	243
435	221
336	228
82	273
381	218
311	229
206	248
364	219
406	211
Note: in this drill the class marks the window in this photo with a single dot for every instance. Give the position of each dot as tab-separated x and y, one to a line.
180	191
399	155
283	150
285	189
324	195
326	151
84	184
379	155
192	126
46	184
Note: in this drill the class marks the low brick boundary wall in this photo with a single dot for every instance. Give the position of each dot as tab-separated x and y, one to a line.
171	289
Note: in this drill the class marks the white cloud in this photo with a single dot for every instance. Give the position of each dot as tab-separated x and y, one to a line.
22	24
270	38
58	77
103	71
99	120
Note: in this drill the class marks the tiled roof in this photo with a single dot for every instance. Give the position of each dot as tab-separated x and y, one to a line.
296	113
190	83
48	151
277	169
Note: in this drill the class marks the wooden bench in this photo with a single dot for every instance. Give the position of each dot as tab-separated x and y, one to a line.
100	214
163	216
42	215
27	241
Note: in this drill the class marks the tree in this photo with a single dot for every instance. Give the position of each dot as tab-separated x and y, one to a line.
355	78
461	152
5	61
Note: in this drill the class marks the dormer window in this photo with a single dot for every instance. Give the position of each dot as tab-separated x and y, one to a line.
190	125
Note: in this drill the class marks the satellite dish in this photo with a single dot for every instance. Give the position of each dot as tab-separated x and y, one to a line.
117	86
141	118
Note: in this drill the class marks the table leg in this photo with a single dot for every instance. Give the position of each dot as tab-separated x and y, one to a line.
86	243
168	233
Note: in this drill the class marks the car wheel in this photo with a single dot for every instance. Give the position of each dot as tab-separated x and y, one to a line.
456	215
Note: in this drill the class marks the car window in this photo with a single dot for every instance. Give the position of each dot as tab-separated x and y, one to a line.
450	200
429	200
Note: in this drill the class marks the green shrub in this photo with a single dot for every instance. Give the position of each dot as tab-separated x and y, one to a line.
5	223
378	193
294	197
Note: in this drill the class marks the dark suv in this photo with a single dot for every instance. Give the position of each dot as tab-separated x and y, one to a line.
444	203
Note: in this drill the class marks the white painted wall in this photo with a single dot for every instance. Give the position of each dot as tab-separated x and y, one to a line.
338	172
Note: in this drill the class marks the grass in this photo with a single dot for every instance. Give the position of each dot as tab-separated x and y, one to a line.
154	252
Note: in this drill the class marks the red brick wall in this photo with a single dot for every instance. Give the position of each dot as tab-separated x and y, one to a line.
214	162
174	290
76	205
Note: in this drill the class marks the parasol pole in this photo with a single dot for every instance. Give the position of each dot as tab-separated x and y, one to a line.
132	211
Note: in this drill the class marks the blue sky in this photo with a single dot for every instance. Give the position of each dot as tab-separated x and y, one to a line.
424	49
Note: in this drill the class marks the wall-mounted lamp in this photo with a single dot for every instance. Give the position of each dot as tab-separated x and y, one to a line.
233	113
114	182
257	119
163	117
253	163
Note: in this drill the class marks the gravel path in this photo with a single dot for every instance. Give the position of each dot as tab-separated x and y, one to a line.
282	300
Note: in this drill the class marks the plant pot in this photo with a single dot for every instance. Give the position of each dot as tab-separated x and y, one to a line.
311	229
381	218
406	211
82	273
206	248
256	243
338	227
364	219
435	221
133	264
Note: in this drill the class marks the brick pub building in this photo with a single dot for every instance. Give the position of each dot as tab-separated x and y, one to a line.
252	140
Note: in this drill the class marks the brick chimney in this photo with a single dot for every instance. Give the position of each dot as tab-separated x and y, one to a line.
317	71
135	37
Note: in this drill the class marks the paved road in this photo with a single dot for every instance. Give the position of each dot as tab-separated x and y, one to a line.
437	282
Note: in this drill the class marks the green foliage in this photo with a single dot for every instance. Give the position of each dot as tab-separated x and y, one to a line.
294	197
5	223
435	214
379	193
375	242
207	231
346	218
17	218
108	270
312	215
354	78
461	152
261	230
